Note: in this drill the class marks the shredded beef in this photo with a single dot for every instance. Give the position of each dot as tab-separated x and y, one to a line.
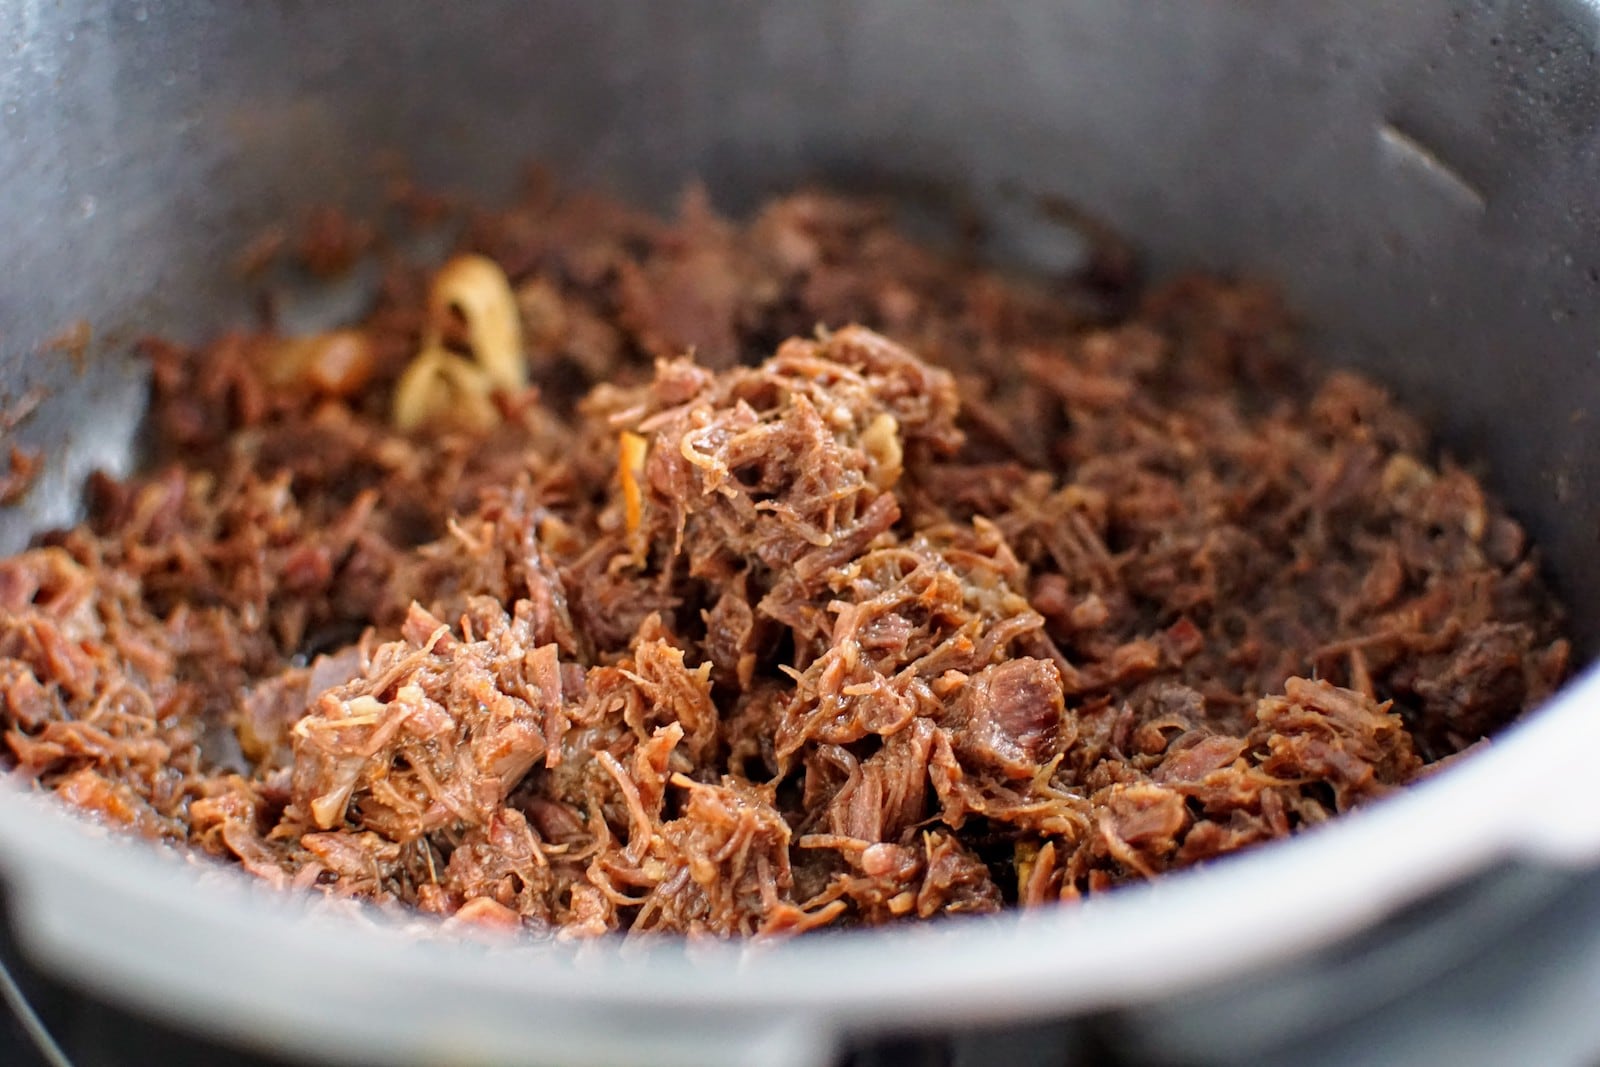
818	579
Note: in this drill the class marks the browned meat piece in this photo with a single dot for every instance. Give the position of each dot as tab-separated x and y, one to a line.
1483	683
884	797
1010	716
331	242
1319	733
436	732
24	471
502	860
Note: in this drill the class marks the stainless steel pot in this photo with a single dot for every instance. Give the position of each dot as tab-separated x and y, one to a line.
1421	175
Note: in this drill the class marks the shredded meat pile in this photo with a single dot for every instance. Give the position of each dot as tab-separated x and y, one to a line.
818	578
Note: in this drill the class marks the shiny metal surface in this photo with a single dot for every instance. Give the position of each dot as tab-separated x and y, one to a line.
1419	174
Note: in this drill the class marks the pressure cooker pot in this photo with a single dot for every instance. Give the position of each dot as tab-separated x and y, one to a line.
1418	176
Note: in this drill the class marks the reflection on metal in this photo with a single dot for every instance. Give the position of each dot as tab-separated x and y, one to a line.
1404	149
17	1001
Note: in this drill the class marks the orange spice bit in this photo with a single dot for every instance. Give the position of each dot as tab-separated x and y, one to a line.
631	449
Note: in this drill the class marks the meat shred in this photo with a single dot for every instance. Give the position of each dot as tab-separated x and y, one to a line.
820	579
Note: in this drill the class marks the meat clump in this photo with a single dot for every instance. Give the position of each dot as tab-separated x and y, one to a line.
815	578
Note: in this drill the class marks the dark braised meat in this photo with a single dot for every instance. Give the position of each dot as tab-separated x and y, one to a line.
725	579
